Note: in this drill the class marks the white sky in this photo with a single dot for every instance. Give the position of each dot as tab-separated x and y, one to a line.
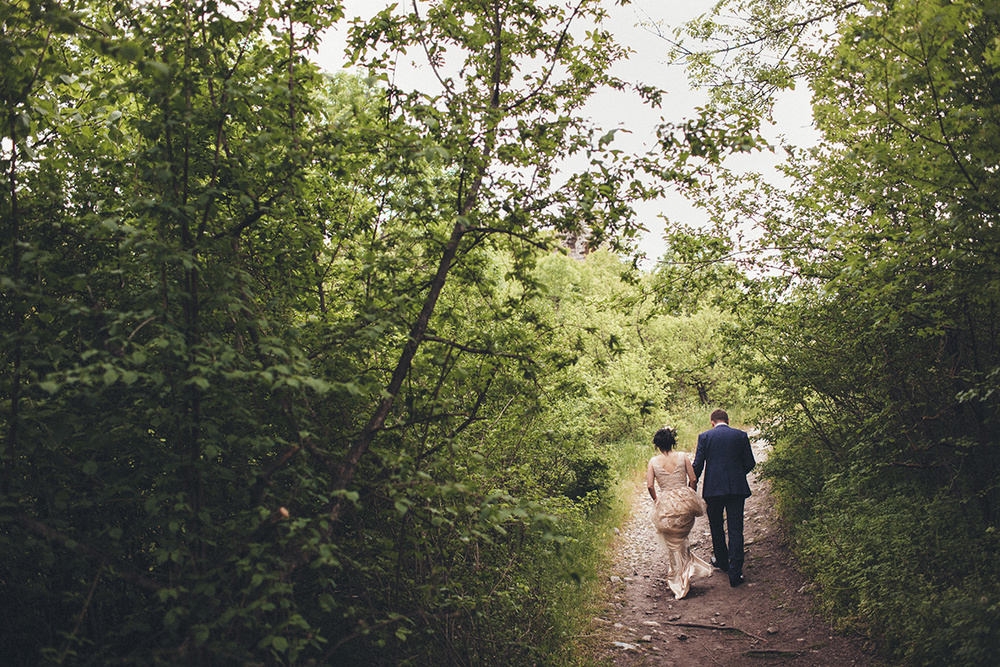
648	64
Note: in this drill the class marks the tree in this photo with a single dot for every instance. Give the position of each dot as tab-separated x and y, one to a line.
251	351
875	345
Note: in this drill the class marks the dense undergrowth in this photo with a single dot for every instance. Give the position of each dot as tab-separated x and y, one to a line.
908	566
888	487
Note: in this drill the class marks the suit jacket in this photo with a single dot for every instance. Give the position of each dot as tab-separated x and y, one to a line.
724	453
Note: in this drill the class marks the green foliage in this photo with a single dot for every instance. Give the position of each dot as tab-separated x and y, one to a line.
902	564
871	328
290	373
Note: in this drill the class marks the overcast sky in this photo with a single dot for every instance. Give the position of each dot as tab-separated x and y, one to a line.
648	64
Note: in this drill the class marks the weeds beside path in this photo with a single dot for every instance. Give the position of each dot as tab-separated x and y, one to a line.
765	621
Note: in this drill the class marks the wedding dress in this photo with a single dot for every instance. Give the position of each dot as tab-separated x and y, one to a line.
673	515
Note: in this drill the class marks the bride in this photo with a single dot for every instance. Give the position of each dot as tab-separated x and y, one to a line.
674	511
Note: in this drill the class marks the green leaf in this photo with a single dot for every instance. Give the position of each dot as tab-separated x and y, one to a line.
49	386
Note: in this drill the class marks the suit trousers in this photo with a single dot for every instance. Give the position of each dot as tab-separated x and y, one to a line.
733	507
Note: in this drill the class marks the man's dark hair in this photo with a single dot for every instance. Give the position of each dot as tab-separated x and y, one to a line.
720	416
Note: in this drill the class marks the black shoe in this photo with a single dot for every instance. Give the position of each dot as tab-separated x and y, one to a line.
736	580
714	563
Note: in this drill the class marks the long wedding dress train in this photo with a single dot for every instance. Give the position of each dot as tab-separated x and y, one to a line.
677	506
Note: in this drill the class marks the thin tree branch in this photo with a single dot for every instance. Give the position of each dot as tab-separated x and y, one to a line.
474	350
715	627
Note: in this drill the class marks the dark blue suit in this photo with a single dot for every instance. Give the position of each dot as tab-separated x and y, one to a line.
724	454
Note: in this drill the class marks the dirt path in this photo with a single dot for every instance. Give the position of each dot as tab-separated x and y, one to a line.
765	621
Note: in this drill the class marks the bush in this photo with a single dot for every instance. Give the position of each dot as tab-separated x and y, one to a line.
909	566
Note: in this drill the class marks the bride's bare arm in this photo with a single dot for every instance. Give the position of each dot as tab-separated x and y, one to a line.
692	480
650	483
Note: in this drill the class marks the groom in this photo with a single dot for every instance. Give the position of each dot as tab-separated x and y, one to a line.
724	454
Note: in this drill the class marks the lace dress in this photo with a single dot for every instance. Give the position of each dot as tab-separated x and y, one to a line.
676	507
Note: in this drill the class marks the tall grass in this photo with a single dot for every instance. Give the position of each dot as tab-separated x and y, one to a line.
591	548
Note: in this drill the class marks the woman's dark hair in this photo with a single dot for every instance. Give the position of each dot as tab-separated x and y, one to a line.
665	439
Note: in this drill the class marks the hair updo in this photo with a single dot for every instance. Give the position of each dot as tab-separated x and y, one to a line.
665	438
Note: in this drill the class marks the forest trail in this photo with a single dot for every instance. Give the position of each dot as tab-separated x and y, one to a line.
766	621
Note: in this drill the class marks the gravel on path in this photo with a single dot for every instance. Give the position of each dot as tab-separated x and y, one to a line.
766	621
